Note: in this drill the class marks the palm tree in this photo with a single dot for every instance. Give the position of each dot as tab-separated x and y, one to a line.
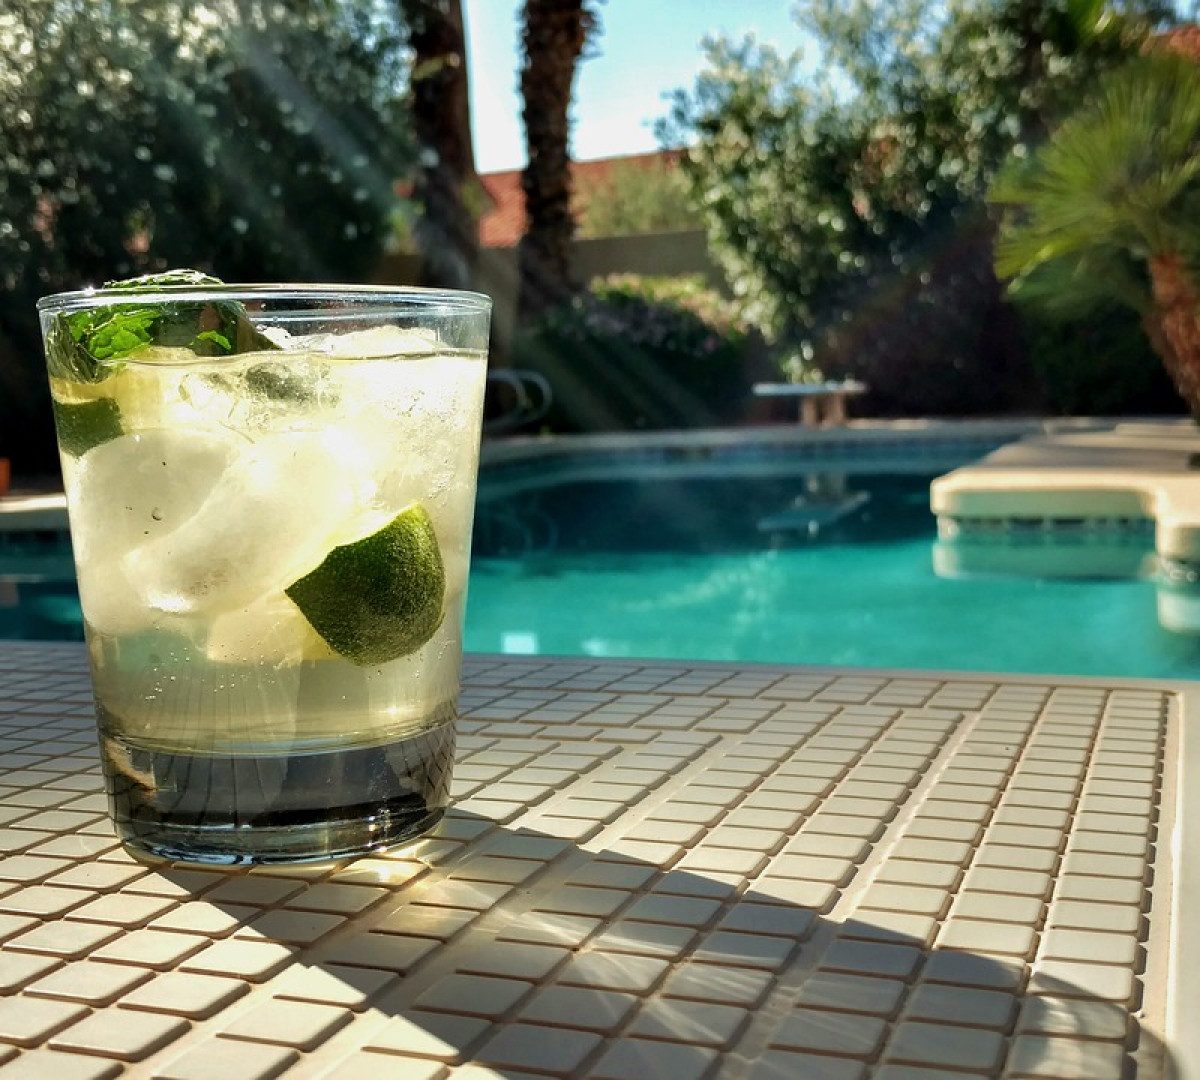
553	35
447	187
1109	210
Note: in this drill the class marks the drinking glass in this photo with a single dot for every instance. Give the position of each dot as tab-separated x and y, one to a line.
270	491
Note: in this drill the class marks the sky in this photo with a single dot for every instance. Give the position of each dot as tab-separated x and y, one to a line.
646	49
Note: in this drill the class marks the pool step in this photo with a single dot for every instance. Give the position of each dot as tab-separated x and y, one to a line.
1130	473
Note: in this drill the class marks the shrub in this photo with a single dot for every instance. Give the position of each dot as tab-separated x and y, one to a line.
642	352
1102	366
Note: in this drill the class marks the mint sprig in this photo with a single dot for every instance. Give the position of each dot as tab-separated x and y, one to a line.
89	346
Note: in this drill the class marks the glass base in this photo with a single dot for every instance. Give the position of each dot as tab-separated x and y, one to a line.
265	846
277	807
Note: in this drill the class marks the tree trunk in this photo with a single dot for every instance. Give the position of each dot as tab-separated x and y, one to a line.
552	38
447	232
1173	324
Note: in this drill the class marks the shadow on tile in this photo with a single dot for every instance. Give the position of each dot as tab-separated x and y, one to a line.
488	951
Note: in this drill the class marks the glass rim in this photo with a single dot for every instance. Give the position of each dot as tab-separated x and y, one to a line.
401	296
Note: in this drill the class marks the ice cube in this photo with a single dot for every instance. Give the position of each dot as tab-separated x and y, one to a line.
272	517
125	493
382	341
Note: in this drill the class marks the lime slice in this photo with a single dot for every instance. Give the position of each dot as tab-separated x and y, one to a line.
378	598
84	424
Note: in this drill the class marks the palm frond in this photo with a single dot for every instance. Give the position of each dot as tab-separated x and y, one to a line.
1116	182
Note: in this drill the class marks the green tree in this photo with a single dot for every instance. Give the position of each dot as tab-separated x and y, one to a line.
1109	211
635	198
847	208
258	139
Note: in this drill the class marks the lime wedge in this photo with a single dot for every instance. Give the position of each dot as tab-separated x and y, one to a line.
84	424
378	598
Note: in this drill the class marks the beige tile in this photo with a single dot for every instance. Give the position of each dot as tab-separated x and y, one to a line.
696	1022
941	1045
303	1025
42	901
221	1059
20	969
899	927
914	899
716	983
474	995
974	969
1066	978
70	940
195	996
992	937
788	1065
255	961
337	899
1105	889
541	928
158	949
1074	1017
582	900
830	1032
645	938
39	1064
429	1035
27	1021
1065	1059
134	1037
613	971
579	1007
254	890
89	981
512	960
851	993
836	872
123	909
388	952
870	958
962	1005
542	1049
291	927
627	1058
1090	945
366	1065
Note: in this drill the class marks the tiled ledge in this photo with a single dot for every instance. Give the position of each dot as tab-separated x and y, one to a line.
653	870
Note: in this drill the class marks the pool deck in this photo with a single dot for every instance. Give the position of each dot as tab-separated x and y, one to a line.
652	871
1132	472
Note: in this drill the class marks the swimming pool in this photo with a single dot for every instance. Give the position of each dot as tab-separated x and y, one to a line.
785	555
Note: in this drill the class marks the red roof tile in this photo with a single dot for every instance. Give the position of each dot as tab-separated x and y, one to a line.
503	224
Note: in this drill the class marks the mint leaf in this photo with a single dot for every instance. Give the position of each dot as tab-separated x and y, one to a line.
121	332
218	339
88	346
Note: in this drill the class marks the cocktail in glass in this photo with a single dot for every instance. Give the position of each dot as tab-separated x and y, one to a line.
270	492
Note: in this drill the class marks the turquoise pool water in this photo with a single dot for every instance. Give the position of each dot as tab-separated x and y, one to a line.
805	563
703	568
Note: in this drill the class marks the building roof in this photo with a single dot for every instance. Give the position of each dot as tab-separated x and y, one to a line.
1184	40
502	224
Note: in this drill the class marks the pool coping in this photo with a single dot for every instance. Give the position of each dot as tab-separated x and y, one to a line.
46	512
